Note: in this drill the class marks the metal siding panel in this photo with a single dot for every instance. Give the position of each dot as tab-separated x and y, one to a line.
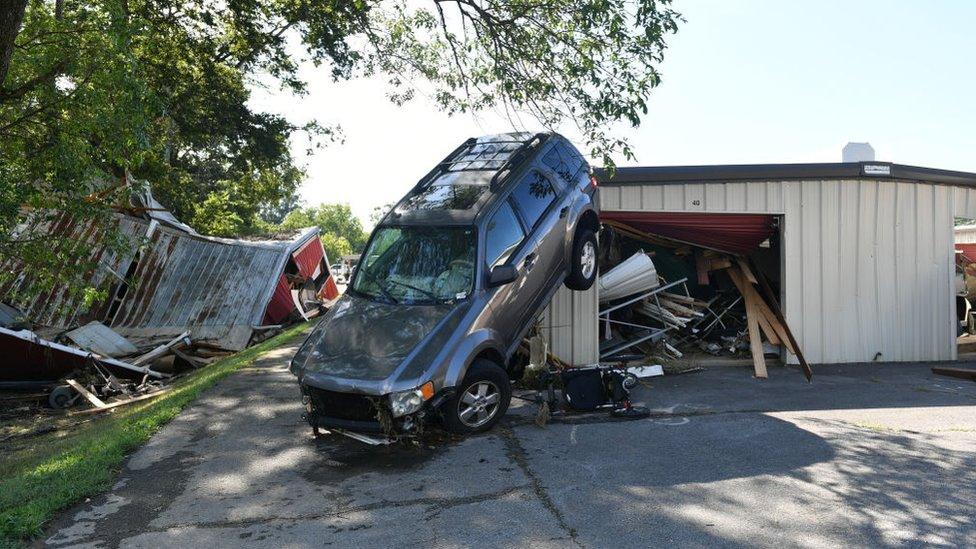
756	198
905	273
652	197
694	197
848	293
610	198
774	196
714	197
868	324
735	197
831	307
925	273
810	272
793	267
570	321
674	197
886	305
943	260
630	197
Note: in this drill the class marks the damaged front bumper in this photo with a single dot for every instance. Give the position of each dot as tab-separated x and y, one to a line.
366	418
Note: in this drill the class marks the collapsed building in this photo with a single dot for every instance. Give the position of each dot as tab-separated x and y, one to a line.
165	282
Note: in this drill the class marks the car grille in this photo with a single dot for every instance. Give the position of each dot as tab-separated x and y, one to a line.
342	405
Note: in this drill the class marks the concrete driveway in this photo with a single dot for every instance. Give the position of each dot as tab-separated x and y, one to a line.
872	455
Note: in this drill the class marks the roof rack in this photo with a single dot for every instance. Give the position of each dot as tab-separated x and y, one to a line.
514	159
473	155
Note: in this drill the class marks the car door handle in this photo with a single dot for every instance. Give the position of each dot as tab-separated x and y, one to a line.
530	261
563	212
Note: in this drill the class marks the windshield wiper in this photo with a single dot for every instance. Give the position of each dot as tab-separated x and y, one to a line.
427	293
386	293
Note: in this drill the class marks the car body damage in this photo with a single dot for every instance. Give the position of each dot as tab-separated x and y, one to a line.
450	281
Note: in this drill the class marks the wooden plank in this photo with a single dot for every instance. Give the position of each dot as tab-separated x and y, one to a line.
960	373
97	402
719	264
778	311
755	341
122	402
767	330
701	265
746	270
162	349
749	295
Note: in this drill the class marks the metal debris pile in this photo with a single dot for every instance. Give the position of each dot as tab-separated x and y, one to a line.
720	307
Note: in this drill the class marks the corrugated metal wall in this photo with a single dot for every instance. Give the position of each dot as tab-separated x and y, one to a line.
571	325
868	263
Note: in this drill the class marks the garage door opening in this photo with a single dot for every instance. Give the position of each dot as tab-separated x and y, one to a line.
719	281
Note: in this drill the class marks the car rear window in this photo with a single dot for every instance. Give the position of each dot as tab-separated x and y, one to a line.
503	236
533	195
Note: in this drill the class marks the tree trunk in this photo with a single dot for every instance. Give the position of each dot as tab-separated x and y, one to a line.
11	16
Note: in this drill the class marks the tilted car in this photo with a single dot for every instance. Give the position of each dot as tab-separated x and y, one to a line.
452	279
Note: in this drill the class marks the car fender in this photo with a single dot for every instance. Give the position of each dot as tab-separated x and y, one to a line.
580	206
464	354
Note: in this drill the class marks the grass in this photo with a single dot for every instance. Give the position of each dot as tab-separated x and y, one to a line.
58	470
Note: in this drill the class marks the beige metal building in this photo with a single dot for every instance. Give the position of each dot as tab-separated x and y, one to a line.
866	255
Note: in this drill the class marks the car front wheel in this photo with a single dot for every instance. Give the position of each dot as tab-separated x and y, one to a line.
480	401
583	261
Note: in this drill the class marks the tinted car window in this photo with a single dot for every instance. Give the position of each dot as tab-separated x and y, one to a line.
503	236
563	161
532	196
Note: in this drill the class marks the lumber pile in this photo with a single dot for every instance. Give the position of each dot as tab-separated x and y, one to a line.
732	311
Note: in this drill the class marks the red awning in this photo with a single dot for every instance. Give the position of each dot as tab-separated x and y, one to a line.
735	233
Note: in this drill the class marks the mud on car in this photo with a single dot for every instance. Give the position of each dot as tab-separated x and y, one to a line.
451	280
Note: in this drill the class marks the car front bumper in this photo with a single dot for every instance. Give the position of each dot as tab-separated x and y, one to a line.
348	413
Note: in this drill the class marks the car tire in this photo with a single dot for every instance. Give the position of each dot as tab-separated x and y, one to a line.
583	261
480	401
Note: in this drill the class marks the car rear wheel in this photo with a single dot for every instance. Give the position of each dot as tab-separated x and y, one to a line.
583	262
480	401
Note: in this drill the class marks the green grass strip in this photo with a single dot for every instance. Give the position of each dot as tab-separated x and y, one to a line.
59	470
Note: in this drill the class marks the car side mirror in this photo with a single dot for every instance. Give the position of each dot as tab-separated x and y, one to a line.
502	274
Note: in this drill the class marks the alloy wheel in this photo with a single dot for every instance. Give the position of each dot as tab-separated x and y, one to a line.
479	404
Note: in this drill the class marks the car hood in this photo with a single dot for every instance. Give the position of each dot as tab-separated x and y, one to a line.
360	339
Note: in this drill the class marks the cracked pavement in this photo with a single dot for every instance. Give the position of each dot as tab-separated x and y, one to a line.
866	455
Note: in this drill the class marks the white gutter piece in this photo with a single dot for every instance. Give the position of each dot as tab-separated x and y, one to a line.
634	275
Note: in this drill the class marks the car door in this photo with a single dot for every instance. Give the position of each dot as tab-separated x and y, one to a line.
534	198
538	199
504	239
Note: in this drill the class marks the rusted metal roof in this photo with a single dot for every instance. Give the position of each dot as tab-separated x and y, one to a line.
164	282
59	307
217	289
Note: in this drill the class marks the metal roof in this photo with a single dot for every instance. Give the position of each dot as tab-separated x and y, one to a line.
779	172
60	307
216	288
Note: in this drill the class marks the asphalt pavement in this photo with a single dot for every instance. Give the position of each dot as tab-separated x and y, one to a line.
866	455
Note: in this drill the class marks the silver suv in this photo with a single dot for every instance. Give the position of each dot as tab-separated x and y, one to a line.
450	282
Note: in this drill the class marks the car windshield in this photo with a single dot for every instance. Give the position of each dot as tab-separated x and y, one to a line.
418	265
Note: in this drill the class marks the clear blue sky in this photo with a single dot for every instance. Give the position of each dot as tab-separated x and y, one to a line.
743	82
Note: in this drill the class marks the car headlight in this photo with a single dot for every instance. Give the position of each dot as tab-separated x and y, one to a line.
408	402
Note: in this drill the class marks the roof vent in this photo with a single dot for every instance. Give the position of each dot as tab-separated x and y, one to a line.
858	152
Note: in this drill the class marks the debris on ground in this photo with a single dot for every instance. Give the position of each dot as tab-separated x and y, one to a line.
668	301
959	373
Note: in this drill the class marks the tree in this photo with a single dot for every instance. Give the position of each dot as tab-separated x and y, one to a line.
336	220
335	247
160	88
